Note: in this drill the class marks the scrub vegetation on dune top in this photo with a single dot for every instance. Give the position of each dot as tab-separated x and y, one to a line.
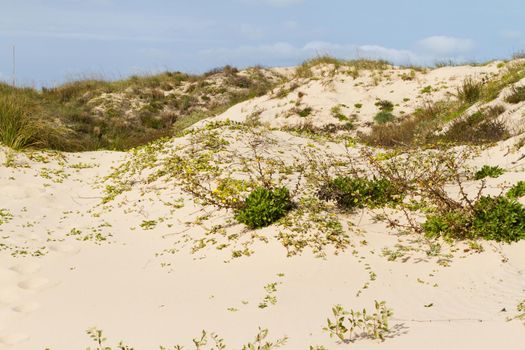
96	114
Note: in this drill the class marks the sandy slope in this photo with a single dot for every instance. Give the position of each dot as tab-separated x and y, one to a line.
68	263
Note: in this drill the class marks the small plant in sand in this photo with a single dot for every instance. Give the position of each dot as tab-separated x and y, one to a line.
349	326
488	171
384	117
269	298
521	313
5	216
264	206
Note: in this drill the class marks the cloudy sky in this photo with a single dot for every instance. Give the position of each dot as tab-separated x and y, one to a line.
57	40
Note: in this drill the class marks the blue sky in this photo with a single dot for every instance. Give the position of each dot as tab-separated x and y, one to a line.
57	40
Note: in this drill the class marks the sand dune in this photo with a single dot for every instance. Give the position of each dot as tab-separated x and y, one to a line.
133	266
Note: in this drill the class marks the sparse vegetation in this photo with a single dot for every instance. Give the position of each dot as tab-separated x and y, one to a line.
118	115
517	95
349	326
202	342
351	193
488	171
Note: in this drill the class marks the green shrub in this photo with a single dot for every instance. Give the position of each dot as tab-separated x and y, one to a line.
384	117
350	193
517	191
385	105
263	207
489	171
499	219
451	225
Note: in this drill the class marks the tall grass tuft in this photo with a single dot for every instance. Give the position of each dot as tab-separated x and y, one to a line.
17	130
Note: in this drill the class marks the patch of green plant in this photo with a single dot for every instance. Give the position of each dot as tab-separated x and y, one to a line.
264	206
269	298
5	216
351	193
305	112
517	191
499	219
489	171
384	117
470	91
513	73
349	326
336	113
482	127
517	95
426	89
385	105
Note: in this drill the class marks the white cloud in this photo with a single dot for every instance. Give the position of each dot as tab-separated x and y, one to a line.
446	45
286	52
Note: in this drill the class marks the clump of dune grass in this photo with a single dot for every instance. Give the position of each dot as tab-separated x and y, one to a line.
352	66
470	91
17	130
516	95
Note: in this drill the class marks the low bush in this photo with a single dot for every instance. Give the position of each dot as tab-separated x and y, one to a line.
385	105
263	207
488	171
477	128
384	117
500	219
350	193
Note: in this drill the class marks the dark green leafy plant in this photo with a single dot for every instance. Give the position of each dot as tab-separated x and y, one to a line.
385	105
384	117
263	207
351	193
499	219
517	191
489	171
